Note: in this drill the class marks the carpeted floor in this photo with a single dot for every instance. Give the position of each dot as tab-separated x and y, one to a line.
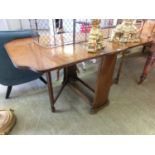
131	109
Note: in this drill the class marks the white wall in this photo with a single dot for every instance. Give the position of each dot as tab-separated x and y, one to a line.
25	24
3	25
14	24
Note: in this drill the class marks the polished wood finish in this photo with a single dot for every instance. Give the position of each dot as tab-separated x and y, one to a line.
26	54
104	81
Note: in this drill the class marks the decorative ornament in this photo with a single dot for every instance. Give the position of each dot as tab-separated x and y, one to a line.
125	32
95	40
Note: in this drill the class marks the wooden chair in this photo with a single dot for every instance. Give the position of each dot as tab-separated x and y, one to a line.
147	67
146	29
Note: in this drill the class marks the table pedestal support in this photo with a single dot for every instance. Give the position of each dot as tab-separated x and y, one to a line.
104	82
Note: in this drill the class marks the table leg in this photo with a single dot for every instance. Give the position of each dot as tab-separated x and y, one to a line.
147	67
116	80
70	73
104	81
58	74
50	90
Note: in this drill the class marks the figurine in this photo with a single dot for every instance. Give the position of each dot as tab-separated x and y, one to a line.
125	32
95	40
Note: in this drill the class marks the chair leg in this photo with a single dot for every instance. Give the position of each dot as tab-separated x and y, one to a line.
43	80
8	92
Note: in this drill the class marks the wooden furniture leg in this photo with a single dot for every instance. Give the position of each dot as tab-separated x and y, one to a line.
147	67
70	73
50	90
116	80
104	81
58	74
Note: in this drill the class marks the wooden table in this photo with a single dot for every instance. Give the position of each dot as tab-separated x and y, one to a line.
26	54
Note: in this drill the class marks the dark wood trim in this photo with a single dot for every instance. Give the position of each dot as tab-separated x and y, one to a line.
70	75
85	84
50	90
116	80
